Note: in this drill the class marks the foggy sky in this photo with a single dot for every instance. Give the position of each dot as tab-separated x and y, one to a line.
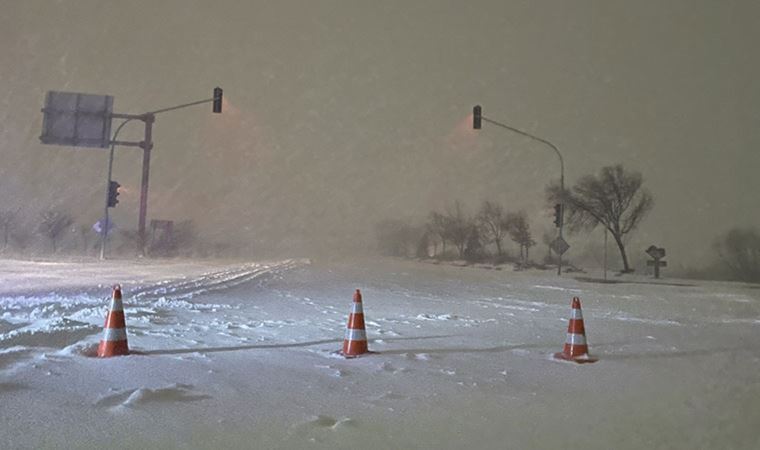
343	113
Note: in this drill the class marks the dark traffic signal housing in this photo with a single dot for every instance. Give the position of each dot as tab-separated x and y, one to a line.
113	192
558	215
217	100
477	117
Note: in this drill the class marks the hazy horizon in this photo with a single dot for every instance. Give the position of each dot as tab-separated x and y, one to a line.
340	114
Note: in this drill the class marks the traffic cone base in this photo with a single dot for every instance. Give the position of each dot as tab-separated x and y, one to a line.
576	348
355	340
114	341
581	359
107	349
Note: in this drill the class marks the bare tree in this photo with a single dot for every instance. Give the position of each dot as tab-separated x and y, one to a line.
54	223
492	221
22	238
614	198
127	242
84	233
739	249
458	227
7	219
519	231
474	250
397	237
438	226
423	244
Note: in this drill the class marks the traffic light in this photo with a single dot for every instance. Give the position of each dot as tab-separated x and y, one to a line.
113	192
217	100
476	117
558	215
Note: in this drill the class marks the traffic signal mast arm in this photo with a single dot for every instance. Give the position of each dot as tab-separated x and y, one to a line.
544	141
478	117
147	145
216	99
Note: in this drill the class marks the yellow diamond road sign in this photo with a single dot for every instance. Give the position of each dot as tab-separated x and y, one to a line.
559	246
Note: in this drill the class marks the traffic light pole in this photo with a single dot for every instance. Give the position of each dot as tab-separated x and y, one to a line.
561	173
104	226
147	145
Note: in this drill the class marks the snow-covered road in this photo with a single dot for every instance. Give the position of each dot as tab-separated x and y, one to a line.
242	356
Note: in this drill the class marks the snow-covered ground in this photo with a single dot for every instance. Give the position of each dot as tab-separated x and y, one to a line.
241	356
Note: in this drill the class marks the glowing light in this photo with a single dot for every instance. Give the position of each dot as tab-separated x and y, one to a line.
463	137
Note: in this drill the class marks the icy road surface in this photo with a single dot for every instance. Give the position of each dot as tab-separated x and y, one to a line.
241	356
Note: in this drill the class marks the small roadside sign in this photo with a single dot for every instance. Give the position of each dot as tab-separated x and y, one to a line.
660	263
98	226
559	246
656	253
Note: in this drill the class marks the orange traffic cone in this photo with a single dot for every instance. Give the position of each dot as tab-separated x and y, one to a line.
576	348
355	342
114	342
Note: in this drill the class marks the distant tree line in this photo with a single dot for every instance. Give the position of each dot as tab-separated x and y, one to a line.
737	257
18	237
739	251
55	232
454	234
614	198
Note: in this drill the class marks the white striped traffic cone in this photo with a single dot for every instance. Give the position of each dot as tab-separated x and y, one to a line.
114	342
576	348
355	342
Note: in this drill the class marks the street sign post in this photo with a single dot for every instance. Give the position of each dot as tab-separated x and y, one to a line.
656	253
98	226
559	246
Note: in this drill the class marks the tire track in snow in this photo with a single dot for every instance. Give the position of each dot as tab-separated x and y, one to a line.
56	321
212	281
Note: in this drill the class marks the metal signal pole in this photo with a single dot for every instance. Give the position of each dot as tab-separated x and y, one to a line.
147	145
478	117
